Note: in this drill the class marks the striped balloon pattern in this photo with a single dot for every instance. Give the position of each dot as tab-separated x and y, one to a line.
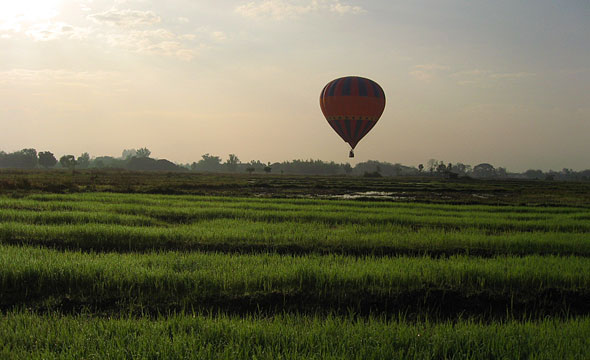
352	105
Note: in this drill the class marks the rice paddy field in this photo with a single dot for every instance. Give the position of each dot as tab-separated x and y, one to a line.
89	272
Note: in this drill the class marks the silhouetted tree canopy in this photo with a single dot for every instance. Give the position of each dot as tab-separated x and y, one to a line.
68	161
384	168
108	162
47	159
232	162
347	168
209	163
23	159
484	170
431	165
128	154
534	174
83	160
149	164
143	153
139	160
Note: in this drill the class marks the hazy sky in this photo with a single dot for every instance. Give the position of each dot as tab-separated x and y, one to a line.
500	81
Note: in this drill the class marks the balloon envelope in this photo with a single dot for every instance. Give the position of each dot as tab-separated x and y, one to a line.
352	105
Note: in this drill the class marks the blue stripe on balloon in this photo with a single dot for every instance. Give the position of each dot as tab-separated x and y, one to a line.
376	90
338	128
348	129
362	86
357	129
347	88
332	88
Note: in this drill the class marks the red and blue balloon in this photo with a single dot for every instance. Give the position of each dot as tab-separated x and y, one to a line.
352	105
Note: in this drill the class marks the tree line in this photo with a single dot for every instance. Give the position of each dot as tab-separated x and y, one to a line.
141	160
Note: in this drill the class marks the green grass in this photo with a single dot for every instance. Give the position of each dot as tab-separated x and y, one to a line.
24	335
105	275
183	281
245	236
118	222
186	209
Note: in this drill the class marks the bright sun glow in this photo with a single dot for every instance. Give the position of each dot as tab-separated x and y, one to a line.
19	11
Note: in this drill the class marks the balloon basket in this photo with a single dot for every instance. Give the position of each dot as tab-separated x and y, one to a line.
351	154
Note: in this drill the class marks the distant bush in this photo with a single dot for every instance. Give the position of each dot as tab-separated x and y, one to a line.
149	164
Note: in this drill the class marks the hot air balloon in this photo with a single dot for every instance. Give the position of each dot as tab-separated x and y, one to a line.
352	105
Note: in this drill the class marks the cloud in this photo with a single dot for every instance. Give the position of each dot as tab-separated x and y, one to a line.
283	9
346	9
511	76
427	72
126	18
156	42
133	31
56	76
218	36
85	5
206	34
432	67
480	77
128	29
55	30
188	37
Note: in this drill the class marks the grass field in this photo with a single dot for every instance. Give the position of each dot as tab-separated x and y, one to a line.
421	189
97	274
24	335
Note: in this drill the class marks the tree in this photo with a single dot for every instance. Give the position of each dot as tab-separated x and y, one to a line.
68	162
347	169
108	162
267	169
143	153
420	167
30	157
257	165
83	160
460	168
47	159
534	174
484	170
232	162
209	163
128	153
148	164
250	169
432	164
23	159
